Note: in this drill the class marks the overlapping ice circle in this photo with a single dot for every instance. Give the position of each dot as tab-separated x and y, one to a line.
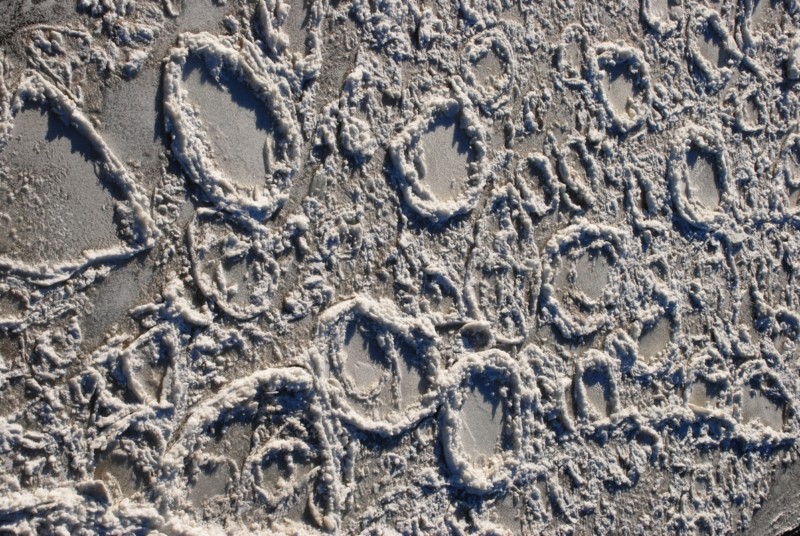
489	69
382	365
272	422
236	270
597	310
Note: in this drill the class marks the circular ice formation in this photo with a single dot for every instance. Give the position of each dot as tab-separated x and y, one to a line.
135	226
697	175
749	13
504	272
570	54
661	16
577	171
147	367
764	401
538	185
712	49
621	78
708	386
654	334
645	344
382	365
495	377
237	271
751	111
191	144
411	162
260	439
595	386
575	314
492	49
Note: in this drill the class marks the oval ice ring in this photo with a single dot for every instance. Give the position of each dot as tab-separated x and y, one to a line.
712	48
789	168
569	55
480	421
697	175
259	439
489	68
622	80
75	158
581	280
236	270
596	386
653	335
243	172
381	365
538	185
434	188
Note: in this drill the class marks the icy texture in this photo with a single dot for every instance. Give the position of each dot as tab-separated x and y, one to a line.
384	266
